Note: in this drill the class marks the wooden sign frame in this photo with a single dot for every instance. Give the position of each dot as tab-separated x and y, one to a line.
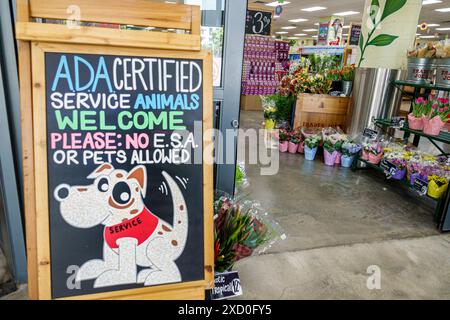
35	39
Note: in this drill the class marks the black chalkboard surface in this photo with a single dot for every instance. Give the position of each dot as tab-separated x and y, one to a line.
258	22
122	133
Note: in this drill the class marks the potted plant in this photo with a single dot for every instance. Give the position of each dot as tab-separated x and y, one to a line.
294	141
270	111
336	79
284	140
349	152
330	153
311	145
416	117
348	74
437	116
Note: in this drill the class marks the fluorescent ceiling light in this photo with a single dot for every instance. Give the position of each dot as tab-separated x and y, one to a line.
298	20
301	34
171	2
281	32
316	24
314	36
443	10
345	27
430	25
309	30
276	3
418	34
443	29
311	9
293	38
426	2
427	37
288	27
346	13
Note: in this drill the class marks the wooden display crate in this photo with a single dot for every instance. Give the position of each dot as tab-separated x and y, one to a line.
317	110
251	103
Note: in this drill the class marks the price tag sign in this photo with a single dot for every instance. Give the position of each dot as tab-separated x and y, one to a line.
389	168
420	186
226	285
369	133
397	122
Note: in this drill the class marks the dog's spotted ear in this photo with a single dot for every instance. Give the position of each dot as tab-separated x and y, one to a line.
140	174
104	168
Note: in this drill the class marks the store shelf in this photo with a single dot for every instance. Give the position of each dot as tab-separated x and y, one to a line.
404	182
401	83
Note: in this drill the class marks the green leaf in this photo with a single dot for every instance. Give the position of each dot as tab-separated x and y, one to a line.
374	9
375	3
382	40
392	6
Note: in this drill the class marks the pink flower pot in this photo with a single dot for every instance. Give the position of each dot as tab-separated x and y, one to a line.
338	159
433	126
415	123
365	155
329	158
301	147
284	146
375	159
292	147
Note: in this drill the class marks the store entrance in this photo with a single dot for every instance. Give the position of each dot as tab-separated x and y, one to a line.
334	190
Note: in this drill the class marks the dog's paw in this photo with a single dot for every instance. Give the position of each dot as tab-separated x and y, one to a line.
142	276
91	270
115	278
160	277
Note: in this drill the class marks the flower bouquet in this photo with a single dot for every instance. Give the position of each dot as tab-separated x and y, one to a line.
349	151
330	153
437	185
397	159
241	230
311	145
270	112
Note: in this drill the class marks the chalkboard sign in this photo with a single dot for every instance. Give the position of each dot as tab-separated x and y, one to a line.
258	22
354	35
125	171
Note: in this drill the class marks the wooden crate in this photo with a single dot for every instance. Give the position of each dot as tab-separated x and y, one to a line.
251	103
317	110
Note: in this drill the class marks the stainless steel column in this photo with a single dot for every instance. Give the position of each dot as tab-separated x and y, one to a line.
374	97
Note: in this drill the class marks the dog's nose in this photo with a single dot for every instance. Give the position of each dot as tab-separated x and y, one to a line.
61	192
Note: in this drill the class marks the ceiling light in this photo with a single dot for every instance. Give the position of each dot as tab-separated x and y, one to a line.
429	25
426	2
288	27
171	2
309	30
281	32
443	10
301	34
443	29
293	38
316	24
345	27
418	34
298	20
311	9
427	37
276	3
346	13
314	36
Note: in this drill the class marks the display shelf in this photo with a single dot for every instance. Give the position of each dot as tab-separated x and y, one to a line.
401	83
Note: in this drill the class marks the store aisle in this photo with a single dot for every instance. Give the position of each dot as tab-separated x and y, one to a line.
322	208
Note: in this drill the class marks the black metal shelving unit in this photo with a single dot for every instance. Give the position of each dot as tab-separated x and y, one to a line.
443	137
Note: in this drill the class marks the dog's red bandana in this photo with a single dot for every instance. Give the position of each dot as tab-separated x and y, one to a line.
140	227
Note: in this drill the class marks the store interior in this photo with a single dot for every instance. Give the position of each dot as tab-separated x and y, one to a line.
338	220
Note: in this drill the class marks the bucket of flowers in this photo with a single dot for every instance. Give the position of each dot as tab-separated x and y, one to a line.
311	145
437	185
349	152
375	152
437	114
397	160
284	138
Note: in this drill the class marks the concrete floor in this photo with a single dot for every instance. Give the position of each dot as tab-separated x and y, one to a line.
338	224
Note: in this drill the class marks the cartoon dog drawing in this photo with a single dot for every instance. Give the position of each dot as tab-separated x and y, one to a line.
132	235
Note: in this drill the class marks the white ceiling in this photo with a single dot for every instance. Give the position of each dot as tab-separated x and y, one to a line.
292	11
